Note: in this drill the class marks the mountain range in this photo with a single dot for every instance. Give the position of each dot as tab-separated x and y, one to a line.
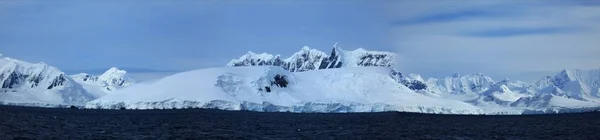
24	82
340	81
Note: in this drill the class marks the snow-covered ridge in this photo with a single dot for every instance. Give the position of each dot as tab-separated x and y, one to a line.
577	84
110	80
28	83
359	89
314	82
311	59
308	59
471	84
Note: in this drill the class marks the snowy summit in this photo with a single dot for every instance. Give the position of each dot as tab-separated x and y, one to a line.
308	81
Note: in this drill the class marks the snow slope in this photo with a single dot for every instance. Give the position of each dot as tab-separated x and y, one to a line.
367	89
110	80
311	59
308	59
577	84
460	87
24	82
341	81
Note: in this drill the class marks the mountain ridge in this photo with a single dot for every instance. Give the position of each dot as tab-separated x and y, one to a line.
570	88
40	83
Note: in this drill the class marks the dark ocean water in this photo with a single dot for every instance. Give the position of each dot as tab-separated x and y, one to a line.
75	124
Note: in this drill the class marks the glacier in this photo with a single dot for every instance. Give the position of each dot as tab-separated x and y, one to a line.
41	84
360	89
315	82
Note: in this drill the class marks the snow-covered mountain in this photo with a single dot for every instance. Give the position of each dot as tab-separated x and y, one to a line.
269	88
412	81
308	59
576	84
311	59
461	84
28	83
350	89
110	80
25	82
307	81
476	89
501	93
567	89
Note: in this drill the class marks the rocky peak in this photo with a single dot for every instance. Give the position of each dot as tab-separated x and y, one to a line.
113	78
463	84
116	77
311	59
16	74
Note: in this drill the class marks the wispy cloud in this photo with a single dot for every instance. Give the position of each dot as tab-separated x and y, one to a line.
507	32
499	38
449	16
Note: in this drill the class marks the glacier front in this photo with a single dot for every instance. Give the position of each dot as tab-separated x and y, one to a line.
359	89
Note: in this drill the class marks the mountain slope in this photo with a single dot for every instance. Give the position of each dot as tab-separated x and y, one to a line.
576	84
109	81
311	59
460	87
25	82
258	88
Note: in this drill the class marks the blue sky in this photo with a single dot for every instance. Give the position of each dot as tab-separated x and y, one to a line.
501	38
180	35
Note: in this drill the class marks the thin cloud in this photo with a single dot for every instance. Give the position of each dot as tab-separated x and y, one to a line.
450	16
498	38
508	32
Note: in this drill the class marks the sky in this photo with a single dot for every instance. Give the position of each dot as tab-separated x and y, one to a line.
434	38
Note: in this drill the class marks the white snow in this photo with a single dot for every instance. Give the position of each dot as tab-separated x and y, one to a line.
358	89
311	59
112	79
558	101
353	58
470	85
30	83
364	83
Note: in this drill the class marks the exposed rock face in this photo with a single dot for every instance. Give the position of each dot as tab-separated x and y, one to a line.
110	80
473	84
311	59
576	84
28	82
413	82
58	81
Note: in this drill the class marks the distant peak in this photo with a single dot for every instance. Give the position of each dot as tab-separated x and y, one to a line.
252	55
83	74
114	71
565	71
504	88
336	50
360	50
335	46
568	74
305	48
